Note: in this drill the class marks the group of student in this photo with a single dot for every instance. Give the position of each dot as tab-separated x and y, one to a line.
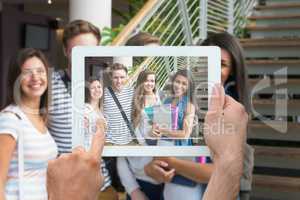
36	124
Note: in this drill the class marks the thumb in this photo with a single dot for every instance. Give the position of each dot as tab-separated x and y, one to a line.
217	99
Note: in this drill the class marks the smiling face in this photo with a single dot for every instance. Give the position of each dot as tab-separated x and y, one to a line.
180	86
96	90
149	84
118	79
33	78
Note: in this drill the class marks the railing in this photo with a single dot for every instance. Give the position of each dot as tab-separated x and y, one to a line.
183	22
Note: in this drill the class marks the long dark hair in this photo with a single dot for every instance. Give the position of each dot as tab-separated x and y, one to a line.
191	87
14	73
229	43
139	96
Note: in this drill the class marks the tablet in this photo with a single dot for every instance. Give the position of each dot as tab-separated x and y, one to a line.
204	65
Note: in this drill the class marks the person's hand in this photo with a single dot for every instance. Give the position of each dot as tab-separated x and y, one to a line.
167	160
155	131
102	125
225	134
225	125
138	195
159	171
77	175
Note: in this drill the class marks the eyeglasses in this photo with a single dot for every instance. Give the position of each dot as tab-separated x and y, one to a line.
31	72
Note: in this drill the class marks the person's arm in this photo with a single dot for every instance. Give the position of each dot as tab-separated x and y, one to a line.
225	179
159	170
187	125
127	178
7	144
226	141
198	172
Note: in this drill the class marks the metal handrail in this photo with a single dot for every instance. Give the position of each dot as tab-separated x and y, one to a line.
184	22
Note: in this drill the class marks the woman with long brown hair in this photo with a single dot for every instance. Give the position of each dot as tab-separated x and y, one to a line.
131	169
234	80
26	145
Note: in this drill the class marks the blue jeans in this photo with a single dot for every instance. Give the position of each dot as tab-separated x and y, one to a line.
152	191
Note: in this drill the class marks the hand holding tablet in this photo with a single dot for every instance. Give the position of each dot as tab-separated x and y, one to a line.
77	171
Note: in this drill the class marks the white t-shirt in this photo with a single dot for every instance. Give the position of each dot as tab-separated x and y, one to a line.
38	149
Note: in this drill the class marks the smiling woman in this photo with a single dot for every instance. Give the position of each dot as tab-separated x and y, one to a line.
26	145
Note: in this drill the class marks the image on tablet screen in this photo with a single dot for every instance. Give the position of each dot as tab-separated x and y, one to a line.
149	101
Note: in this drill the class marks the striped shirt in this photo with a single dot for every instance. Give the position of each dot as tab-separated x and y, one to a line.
60	114
117	130
38	149
60	119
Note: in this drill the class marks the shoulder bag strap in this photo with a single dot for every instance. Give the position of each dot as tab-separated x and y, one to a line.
122	111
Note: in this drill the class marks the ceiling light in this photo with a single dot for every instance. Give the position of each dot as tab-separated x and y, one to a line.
49	1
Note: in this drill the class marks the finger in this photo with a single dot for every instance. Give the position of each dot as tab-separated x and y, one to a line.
64	156
169	175
161	163
97	144
161	171
155	134
217	99
78	149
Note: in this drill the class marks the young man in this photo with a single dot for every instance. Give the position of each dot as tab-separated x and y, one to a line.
118	131
76	33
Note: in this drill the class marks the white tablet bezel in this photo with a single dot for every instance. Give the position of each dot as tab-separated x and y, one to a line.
213	55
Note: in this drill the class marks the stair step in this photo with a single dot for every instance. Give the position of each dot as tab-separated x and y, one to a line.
274	31
276	2
275	17
270	41
292	85
277	182
271	47
270	66
274	130
271	106
277	6
275	187
277	9
283	152
277	157
273	28
272	171
274	20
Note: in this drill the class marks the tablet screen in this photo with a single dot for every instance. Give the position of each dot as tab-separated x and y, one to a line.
155	107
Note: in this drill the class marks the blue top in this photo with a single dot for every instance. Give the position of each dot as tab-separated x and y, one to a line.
149	111
181	104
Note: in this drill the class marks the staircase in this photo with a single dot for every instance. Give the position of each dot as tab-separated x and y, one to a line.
273	45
